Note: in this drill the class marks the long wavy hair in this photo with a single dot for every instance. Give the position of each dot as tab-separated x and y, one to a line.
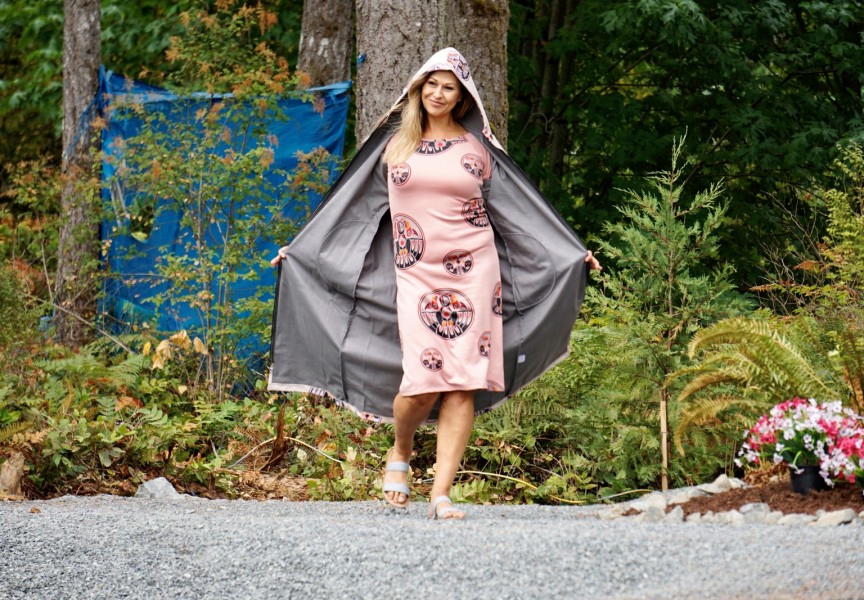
413	121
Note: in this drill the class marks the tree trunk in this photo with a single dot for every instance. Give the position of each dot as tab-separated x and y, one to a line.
327	41
77	261
394	39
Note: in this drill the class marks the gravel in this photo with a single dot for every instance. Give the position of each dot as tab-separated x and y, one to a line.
113	547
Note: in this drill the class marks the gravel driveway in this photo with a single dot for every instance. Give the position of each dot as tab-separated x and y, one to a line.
112	547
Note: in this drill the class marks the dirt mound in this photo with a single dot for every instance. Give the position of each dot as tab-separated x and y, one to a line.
779	496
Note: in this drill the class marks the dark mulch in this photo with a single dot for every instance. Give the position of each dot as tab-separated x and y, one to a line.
779	496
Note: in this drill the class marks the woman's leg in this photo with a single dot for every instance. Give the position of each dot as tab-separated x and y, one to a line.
409	412
455	422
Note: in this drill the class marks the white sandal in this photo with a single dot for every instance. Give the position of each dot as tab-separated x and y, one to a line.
436	513
395	486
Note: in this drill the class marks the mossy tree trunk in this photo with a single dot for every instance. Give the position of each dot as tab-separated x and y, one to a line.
327	41
395	38
77	261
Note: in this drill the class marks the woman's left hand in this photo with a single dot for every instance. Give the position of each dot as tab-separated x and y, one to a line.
592	262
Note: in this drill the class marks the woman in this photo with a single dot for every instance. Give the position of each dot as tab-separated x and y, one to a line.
454	303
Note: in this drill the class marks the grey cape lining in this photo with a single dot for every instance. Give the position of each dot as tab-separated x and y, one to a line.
335	331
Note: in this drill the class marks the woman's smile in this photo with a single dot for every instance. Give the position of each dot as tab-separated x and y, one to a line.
441	93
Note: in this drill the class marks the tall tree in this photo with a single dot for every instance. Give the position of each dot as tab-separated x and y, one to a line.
75	289
394	38
765	90
327	41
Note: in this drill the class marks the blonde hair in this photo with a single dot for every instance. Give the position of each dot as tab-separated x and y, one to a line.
413	121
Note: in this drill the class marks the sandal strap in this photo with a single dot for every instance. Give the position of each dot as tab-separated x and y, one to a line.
401	467
445	510
393	486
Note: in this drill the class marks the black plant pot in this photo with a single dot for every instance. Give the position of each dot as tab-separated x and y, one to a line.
807	480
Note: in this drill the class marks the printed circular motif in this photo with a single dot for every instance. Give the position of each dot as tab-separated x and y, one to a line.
408	241
474	212
458	262
432	359
484	344
399	174
459	64
497	309
447	313
473	164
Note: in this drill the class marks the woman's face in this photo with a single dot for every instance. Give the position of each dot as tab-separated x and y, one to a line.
441	92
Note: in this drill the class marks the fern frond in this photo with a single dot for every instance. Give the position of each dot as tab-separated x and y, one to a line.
8	431
128	371
710	379
706	408
766	355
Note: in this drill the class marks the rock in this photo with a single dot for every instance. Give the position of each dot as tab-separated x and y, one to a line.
711	489
613	513
861	515
158	489
732	517
682	496
709	517
652	500
723	483
756	508
694	518
837	517
756	512
737	484
676	515
652	514
773	517
795	519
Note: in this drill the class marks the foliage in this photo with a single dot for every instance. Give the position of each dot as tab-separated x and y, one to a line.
211	162
18	315
29	220
766	90
661	291
135	38
819	351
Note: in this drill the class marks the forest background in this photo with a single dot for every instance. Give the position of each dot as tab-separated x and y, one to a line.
709	150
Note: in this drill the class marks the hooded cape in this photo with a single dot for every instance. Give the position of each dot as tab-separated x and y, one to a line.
335	331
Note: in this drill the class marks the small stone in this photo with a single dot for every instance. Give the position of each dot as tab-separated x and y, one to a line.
861	515
676	515
694	518
159	488
613	513
723	483
756	508
710	489
773	517
837	517
819	514
652	514
795	519
652	500
732	517
755	512
683	496
737	484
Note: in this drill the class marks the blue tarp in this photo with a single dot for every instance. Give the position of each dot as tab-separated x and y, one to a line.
132	262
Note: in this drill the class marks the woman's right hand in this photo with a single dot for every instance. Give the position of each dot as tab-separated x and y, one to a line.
282	254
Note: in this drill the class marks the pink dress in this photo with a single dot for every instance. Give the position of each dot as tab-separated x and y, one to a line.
448	281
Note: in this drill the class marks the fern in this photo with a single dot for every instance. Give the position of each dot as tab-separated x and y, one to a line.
8	431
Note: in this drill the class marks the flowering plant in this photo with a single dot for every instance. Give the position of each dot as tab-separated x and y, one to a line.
803	432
